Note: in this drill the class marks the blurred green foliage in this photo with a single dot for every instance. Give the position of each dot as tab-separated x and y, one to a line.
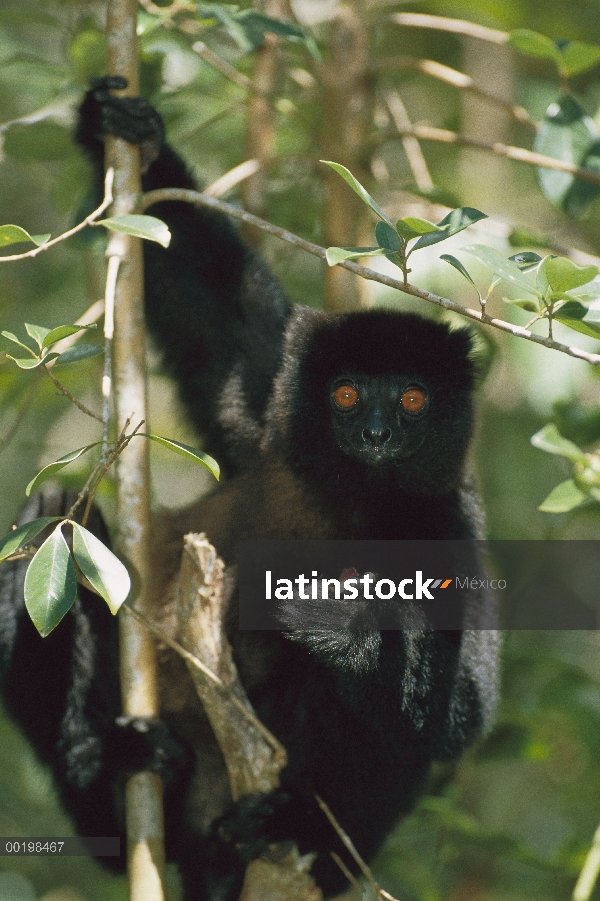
516	819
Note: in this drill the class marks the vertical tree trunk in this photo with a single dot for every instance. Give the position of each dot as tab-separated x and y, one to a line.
347	108
261	124
145	850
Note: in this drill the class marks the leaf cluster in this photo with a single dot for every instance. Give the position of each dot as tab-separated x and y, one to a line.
584	484
45	338
548	286
51	579
249	27
393	240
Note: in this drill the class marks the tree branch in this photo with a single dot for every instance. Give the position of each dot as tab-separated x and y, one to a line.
453	26
520	154
89	220
516	330
457	80
139	687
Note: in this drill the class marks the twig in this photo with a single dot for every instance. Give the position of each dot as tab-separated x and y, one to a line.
112	273
516	330
89	220
589	872
454	26
20	555
100	465
66	393
347	873
230	179
349	845
179	649
457	80
106	462
225	68
92	314
412	148
520	154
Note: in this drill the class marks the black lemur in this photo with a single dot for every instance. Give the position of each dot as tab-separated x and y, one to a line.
328	426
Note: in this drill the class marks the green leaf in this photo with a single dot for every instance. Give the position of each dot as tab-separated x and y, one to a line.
563	275
455	222
148	227
534	44
405	231
64	331
567	133
190	453
23	535
335	255
526	260
79	352
588	294
388	238
358	189
248	27
550	440
563	498
48	471
87	51
15	340
521	236
14	234
37	332
50	583
420	226
31	362
577	423
101	568
501	266
530	305
577	57
580	318
456	263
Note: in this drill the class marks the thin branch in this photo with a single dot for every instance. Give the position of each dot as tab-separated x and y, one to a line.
108	462
454	26
412	148
441	135
92	314
112	273
100	467
516	330
347	873
20	555
179	649
66	393
589	873
457	80
233	177
225	68
349	845
244	82
89	220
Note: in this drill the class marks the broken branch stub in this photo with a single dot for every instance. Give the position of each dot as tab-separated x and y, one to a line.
204	590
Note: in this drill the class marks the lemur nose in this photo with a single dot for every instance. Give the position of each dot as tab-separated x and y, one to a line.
377	437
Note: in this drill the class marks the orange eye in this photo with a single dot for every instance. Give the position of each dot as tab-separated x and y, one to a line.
413	400
345	396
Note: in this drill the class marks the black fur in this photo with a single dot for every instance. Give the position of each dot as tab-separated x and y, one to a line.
361	713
